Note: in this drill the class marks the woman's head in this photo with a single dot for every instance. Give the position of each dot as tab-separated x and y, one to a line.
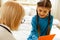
12	14
43	8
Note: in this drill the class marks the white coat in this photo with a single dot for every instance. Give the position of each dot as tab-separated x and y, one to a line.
5	34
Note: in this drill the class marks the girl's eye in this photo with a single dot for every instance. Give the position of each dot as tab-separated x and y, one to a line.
45	11
40	10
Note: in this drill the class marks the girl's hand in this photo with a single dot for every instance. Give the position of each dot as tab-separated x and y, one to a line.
34	37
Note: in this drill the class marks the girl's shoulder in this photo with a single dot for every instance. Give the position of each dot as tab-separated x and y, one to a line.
34	17
51	16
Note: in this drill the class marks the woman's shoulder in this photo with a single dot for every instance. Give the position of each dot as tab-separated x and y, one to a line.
5	35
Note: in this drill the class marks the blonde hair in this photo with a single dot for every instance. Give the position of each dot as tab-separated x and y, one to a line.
12	14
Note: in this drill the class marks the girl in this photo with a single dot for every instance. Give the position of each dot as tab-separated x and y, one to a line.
42	22
11	16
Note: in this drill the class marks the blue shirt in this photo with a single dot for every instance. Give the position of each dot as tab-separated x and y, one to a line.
43	22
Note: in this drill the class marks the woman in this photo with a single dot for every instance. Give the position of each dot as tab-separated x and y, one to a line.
11	16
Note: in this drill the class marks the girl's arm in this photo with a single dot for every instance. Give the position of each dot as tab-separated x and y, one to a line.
33	35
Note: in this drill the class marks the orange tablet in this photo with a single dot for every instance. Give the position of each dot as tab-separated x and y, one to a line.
47	37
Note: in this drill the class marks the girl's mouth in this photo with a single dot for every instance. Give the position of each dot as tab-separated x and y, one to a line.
41	15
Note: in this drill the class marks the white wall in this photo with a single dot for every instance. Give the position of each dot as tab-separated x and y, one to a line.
3	1
56	8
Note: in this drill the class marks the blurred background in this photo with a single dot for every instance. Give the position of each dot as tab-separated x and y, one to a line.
30	10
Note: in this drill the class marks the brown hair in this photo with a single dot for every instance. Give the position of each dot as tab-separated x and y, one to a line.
12	14
44	3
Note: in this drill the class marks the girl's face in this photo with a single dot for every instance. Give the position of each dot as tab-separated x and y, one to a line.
43	12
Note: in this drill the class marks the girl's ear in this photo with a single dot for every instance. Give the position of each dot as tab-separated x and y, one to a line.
37	9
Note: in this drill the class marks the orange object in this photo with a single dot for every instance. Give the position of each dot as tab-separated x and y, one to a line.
47	37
